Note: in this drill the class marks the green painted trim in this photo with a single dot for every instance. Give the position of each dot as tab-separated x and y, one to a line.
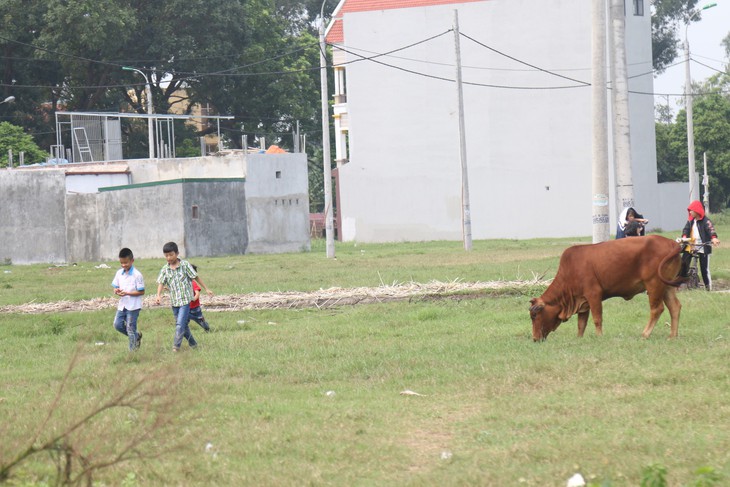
173	181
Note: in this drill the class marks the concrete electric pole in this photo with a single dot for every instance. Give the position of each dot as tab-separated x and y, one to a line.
601	220
465	206
621	124
329	227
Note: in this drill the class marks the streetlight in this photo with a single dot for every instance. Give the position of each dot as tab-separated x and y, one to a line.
150	109
9	99
688	103
328	214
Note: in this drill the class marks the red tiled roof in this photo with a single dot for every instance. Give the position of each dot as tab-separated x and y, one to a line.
335	33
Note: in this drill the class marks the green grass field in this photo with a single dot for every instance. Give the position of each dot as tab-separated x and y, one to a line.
314	396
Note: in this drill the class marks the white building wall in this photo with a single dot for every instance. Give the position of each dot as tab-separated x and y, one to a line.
528	150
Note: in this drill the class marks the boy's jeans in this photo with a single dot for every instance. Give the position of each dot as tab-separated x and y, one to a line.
196	314
125	323
182	328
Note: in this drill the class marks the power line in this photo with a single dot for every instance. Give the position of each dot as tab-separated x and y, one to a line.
119	62
709	67
440	78
195	75
58	53
524	62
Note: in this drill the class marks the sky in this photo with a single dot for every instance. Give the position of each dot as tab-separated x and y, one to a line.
705	39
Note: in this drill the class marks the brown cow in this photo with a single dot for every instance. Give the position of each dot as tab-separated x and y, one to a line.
590	274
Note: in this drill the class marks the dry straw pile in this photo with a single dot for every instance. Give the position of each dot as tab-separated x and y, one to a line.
322	298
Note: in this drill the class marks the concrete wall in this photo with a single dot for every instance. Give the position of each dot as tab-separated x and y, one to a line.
46	223
33	225
83	235
528	149
277	203
218	225
145	217
141	218
152	170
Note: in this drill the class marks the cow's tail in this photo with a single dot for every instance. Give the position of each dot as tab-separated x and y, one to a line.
679	280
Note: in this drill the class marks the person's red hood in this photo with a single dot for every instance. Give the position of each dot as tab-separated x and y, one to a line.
697	207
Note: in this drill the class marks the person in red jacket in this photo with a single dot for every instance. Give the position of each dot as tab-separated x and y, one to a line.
701	233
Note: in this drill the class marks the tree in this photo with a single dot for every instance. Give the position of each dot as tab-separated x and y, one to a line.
667	16
712	136
23	74
13	138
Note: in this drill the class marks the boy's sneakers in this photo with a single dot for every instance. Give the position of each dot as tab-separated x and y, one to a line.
139	340
175	349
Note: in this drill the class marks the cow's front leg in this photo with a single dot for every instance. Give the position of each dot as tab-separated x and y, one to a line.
582	322
597	310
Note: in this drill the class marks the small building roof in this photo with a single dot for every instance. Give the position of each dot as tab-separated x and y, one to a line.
79	168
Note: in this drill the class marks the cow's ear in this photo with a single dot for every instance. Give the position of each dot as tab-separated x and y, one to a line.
536	305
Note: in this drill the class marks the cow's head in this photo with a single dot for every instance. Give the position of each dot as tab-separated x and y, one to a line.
545	318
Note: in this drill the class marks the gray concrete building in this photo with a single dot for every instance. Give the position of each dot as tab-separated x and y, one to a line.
211	206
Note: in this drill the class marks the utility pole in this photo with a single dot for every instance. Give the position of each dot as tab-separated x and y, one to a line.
466	211
329	228
601	219
706	184
689	102
621	124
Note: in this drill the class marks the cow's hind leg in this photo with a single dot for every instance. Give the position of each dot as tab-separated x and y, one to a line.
582	322
656	308
674	307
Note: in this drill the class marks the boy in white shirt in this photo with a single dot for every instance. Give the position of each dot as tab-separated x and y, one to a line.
128	284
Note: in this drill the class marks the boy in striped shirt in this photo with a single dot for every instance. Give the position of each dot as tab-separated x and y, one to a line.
177	275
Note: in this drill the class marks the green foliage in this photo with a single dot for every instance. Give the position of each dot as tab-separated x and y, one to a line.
57	325
654	475
707	477
249	58
13	138
187	149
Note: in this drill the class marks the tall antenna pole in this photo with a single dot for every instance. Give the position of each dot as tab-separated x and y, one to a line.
466	211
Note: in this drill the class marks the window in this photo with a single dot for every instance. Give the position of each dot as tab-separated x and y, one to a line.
195	212
639	7
278	174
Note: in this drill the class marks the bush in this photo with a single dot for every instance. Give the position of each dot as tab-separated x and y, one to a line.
13	138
